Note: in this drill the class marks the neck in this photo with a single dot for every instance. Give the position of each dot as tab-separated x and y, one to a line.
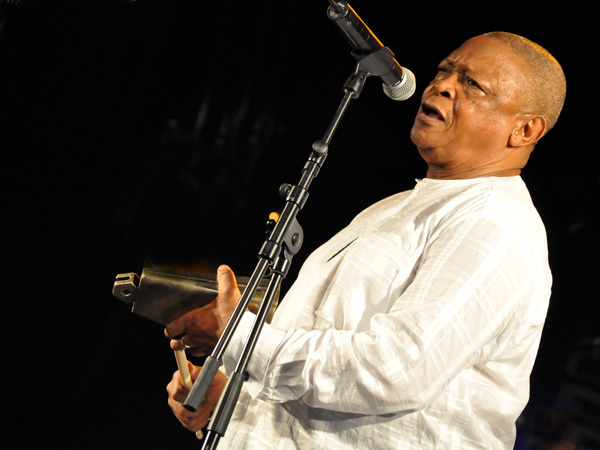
441	173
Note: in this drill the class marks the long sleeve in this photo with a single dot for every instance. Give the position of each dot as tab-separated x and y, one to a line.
425	311
462	309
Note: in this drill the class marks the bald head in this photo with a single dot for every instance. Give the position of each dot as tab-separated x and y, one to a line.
545	85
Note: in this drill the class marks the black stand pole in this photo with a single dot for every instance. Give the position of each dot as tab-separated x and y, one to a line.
287	236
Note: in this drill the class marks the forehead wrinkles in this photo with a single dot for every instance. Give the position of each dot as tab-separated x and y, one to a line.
474	61
491	62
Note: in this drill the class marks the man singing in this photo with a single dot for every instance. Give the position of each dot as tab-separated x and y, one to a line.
417	325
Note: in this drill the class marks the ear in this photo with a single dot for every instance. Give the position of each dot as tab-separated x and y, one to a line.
527	131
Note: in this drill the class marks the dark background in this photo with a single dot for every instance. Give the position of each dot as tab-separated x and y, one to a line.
153	130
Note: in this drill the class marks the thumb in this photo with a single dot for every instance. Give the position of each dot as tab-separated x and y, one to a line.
226	281
194	370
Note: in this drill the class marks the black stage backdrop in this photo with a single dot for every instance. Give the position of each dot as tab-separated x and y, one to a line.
152	130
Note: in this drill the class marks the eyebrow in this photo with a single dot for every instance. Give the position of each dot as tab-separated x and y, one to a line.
453	65
462	68
465	69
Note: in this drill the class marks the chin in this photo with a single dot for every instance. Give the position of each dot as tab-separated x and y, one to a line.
414	135
420	138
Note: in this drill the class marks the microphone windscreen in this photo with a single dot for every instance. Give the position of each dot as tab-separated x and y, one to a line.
404	89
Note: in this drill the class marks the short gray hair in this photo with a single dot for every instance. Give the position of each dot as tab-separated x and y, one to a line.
546	82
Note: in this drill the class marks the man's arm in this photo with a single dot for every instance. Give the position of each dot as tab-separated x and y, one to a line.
457	312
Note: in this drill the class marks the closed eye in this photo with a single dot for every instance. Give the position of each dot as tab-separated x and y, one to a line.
472	82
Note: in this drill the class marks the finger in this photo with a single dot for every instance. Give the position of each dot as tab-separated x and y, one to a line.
194	370
179	395
197	420
193	421
177	328
226	281
216	388
176	390
176	387
178	344
200	351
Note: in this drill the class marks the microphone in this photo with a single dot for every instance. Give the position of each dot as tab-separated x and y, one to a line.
398	83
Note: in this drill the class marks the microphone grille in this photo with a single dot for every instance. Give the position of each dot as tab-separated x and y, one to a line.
404	88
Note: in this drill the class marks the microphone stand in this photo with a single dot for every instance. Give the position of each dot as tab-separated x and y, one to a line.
275	255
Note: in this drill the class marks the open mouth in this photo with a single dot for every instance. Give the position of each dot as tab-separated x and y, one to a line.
431	112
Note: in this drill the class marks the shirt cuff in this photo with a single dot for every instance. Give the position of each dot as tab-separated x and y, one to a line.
269	340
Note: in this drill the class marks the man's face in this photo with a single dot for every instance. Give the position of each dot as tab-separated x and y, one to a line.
468	111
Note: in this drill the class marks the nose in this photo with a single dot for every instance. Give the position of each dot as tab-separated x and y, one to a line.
444	84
